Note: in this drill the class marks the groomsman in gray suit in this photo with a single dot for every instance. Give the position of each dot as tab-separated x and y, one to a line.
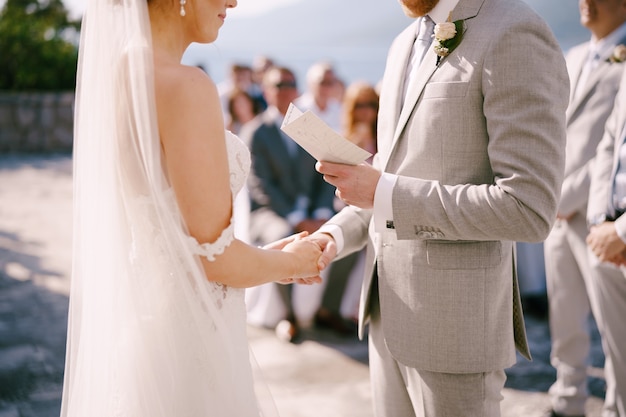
595	76
607	244
470	159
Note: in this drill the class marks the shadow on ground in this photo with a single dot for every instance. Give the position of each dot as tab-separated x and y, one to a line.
33	323
33	318
532	376
537	375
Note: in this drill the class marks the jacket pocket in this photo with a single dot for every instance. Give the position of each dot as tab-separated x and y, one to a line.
463	254
446	90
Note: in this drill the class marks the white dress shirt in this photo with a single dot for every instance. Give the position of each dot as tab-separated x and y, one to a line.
383	206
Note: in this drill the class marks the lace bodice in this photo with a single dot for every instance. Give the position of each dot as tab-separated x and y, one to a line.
239	164
238	161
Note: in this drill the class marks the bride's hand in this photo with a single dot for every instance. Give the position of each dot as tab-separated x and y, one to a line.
307	254
301	281
280	244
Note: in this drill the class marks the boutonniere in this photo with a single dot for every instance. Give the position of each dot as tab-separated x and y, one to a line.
619	54
448	35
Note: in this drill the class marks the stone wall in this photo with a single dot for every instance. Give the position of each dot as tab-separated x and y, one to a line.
36	122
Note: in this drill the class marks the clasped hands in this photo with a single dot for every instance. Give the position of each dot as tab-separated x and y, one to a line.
606	244
356	185
314	253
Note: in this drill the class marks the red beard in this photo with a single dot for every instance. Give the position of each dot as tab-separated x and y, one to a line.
416	8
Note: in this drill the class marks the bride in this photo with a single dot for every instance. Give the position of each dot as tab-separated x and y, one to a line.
157	318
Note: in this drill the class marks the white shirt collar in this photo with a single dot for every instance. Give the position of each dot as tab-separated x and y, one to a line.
441	11
604	47
275	115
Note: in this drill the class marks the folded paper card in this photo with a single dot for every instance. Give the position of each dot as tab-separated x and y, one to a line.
318	139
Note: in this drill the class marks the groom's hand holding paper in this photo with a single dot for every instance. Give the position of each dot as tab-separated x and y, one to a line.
318	139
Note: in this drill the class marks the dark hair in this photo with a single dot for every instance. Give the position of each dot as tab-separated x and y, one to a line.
256	108
268	77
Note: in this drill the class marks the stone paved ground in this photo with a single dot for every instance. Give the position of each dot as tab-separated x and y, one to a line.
323	376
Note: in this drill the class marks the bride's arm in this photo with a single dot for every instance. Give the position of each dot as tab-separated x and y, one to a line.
192	134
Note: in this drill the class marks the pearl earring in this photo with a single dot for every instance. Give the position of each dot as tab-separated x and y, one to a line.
182	7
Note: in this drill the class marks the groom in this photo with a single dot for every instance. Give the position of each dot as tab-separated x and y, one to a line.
470	160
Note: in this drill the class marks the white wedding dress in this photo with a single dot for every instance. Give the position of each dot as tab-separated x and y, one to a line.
197	324
148	334
174	344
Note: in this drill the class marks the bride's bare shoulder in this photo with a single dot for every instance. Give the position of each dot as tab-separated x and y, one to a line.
187	102
180	86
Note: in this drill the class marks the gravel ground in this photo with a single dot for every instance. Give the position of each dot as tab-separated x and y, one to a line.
323	375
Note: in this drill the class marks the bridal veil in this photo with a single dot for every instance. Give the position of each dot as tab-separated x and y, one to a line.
148	335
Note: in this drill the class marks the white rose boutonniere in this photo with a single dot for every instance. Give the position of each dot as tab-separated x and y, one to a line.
445	31
619	54
448	35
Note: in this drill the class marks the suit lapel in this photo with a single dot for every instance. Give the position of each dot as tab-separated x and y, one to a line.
404	107
618	140
593	79
578	61
397	76
463	11
424	72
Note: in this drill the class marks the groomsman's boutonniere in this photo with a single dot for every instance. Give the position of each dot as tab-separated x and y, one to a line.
448	35
619	54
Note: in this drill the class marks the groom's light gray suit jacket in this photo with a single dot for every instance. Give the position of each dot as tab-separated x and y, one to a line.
479	147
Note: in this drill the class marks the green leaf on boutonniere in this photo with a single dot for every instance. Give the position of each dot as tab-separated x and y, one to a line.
448	36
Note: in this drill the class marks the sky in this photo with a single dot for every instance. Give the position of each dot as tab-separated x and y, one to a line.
244	7
361	60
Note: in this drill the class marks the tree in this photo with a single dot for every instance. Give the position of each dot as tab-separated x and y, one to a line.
38	46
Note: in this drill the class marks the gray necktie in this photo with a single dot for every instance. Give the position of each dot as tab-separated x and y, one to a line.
422	43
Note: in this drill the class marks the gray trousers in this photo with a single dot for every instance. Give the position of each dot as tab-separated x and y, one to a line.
398	390
609	284
571	295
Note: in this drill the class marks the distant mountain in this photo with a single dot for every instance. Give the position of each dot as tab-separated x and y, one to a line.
354	34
